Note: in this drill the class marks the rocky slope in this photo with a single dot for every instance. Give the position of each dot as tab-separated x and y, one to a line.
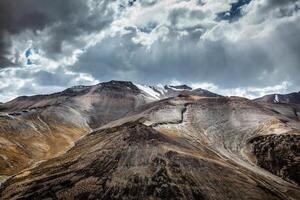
185	147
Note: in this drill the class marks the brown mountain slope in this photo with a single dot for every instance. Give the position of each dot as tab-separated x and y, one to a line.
31	138
37	128
183	148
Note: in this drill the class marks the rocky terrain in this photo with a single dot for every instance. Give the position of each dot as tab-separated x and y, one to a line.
119	140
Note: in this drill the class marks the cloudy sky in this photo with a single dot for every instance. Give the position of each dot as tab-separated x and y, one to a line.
232	47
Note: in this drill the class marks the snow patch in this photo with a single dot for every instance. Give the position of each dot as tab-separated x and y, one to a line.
276	98
149	91
160	88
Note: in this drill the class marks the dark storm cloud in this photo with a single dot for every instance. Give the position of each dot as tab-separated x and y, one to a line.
278	3
44	78
184	60
4	44
66	19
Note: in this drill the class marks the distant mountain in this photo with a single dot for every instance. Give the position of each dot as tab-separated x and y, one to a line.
285	104
167	91
97	104
119	88
292	98
180	87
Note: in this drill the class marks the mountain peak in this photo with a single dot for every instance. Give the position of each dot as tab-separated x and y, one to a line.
293	98
128	85
118	82
179	87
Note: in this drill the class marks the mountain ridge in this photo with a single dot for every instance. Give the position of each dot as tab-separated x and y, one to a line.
78	89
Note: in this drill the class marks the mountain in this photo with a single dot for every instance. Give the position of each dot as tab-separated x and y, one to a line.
167	91
292	98
37	128
193	145
286	104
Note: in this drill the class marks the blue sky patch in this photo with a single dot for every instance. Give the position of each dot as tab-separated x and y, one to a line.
29	62
28	53
235	11
131	2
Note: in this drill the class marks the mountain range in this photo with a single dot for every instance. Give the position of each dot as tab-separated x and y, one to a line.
120	140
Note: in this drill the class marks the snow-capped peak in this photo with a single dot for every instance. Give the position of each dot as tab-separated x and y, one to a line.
150	92
178	87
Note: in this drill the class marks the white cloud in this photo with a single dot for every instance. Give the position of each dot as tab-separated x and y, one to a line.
248	92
